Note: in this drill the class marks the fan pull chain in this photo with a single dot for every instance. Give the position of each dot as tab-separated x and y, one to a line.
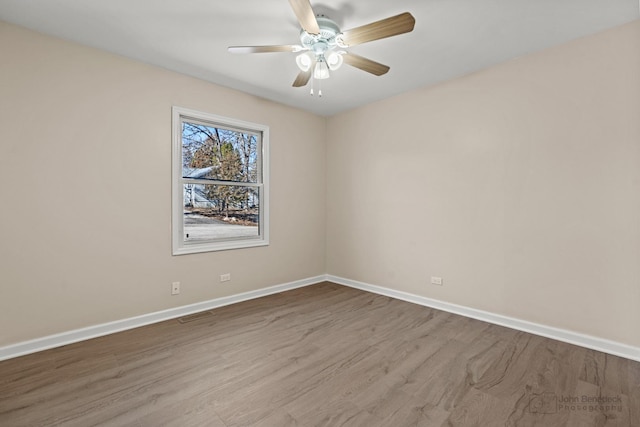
313	85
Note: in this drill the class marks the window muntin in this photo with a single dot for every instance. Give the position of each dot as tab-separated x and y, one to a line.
220	195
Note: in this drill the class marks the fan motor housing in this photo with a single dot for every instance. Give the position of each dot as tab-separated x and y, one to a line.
324	41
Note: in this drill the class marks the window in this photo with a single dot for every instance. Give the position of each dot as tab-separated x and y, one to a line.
220	183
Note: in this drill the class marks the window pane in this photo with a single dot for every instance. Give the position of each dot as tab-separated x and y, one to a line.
220	188
210	152
220	212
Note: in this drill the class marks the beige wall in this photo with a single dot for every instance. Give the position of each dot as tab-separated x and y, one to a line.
519	185
85	180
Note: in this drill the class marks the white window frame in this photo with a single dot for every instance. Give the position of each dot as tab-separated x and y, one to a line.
180	247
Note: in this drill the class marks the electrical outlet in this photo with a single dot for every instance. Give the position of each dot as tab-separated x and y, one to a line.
175	288
225	277
436	280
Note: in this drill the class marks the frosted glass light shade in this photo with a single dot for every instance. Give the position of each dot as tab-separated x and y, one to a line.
304	61
321	71
334	60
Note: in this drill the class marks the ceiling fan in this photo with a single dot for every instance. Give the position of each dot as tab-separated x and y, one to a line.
322	43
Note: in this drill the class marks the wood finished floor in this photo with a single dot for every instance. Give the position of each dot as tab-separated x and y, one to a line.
323	355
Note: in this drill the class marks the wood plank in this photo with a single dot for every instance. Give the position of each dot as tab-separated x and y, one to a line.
319	355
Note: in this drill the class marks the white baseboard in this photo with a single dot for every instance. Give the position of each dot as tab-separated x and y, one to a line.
587	341
70	337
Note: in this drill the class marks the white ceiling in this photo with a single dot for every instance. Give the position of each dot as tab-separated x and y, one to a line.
451	38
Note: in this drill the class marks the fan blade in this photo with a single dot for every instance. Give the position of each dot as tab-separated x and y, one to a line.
303	78
264	49
365	64
393	26
305	15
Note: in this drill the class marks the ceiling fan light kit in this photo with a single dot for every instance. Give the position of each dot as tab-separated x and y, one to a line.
323	45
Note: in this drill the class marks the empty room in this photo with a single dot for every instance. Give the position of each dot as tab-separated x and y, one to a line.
302	213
